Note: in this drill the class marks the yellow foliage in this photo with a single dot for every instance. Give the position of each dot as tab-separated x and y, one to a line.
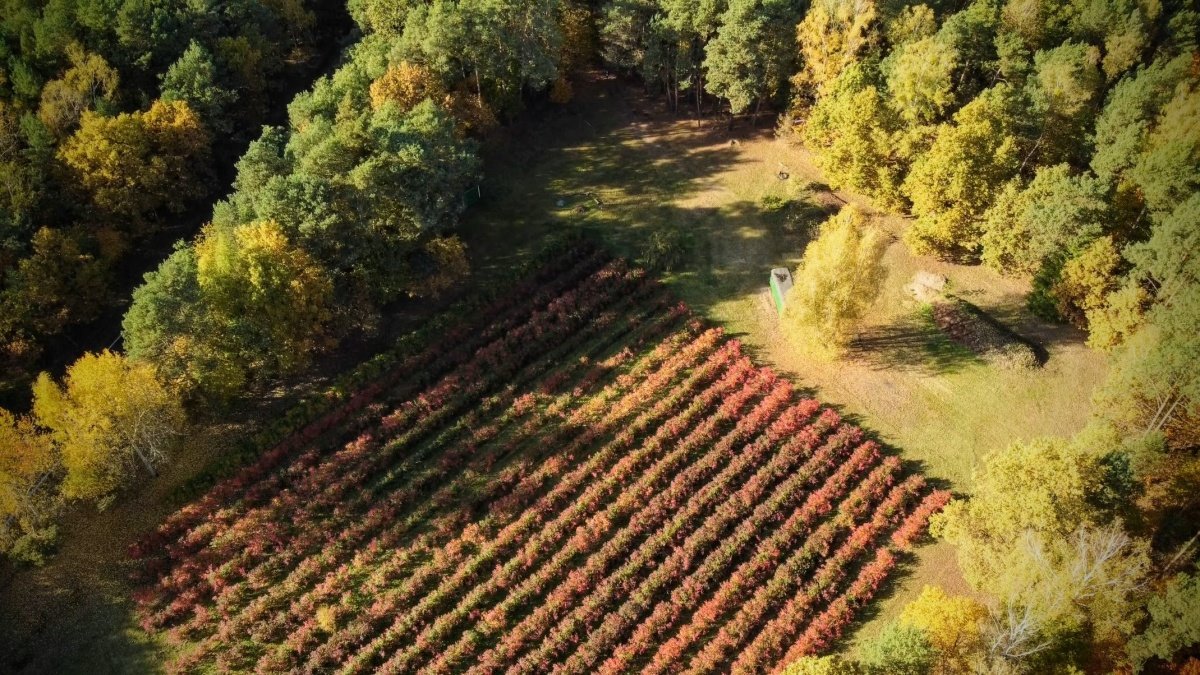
253	276
108	417
136	163
24	457
952	624
88	80
831	37
407	85
839	277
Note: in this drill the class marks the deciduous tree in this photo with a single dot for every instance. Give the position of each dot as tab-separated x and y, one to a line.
952	185
839	277
136	163
109	417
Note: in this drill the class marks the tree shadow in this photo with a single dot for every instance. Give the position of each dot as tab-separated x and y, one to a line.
911	343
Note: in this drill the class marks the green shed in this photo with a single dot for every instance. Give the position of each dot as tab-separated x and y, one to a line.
781	283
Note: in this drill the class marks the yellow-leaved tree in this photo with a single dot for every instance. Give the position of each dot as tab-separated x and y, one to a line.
953	624
839	277
27	466
268	298
89	81
107	418
136	163
832	36
407	84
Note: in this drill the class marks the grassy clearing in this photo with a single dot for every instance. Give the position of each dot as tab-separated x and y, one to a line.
712	194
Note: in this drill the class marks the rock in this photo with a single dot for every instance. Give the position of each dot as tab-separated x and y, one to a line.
926	286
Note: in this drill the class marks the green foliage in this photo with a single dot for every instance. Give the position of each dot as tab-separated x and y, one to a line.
750	58
1065	91
1174	621
193	79
1058	213
1153	385
1168	171
953	184
901	649
839	277
1124	125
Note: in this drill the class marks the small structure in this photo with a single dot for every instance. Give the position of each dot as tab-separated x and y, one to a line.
781	283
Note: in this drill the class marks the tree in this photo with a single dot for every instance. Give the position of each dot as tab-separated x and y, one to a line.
406	85
832	36
169	325
854	132
109	416
952	624
193	79
1174	621
1168	172
27	465
88	83
1086	281
1039	534
268	297
839	277
952	185
136	163
748	60
921	80
1058	213
1153	385
1065	92
900	649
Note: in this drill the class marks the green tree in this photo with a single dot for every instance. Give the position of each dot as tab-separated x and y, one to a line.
839	277
952	185
1174	621
193	79
1168	172
168	325
1153	385
1123	126
107	418
749	59
1058	213
901	649
1065	92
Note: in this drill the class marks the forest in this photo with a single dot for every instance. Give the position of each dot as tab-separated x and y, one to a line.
434	336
